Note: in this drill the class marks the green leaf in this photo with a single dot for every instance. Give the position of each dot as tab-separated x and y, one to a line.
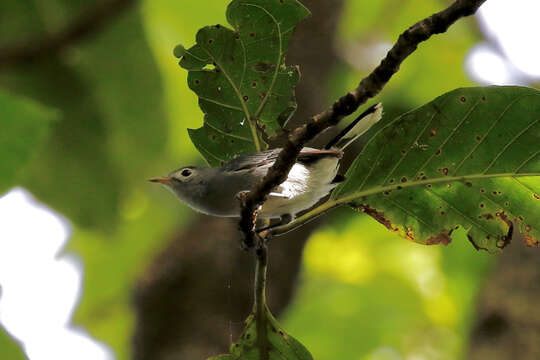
469	158
280	345
240	77
25	125
9	349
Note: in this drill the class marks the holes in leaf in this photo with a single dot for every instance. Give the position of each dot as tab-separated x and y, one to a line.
528	228
210	41
433	132
438	152
482	205
197	81
478	138
219	88
468	183
404	179
245	97
254	84
251	35
463	99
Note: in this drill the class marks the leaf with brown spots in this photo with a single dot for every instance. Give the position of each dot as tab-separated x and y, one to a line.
478	167
241	79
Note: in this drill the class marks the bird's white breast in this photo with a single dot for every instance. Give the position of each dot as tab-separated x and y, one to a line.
304	187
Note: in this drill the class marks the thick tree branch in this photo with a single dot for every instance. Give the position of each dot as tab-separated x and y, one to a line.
369	87
91	21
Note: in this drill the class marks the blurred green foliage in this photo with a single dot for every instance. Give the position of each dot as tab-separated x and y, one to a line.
365	293
124	109
24	127
8	348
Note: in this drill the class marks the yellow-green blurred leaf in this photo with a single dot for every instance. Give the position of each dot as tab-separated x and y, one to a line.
9	349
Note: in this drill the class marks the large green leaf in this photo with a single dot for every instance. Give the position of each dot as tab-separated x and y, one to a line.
240	76
280	345
24	125
470	157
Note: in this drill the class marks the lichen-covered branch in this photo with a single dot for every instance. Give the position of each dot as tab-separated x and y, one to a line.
369	87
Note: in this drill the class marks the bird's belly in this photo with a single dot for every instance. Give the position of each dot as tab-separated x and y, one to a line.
301	190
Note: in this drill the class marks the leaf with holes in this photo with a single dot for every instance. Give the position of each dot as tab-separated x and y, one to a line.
469	158
244	87
278	344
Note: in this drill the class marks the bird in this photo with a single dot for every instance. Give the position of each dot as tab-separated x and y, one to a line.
216	190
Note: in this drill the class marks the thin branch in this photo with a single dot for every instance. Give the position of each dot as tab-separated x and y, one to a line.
259	307
88	23
369	87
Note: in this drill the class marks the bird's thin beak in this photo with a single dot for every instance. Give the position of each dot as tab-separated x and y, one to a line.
162	180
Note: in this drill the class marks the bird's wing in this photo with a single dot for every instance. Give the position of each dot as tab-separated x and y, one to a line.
252	161
265	159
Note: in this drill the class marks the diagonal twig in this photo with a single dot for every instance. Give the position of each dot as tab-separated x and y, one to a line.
369	87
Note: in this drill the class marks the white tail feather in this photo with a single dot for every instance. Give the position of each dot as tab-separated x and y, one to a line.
358	127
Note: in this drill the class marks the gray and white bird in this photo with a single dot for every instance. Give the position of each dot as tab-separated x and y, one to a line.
214	191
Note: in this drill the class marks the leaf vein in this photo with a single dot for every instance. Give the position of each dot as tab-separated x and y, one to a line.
452	133
510	143
403	156
459	212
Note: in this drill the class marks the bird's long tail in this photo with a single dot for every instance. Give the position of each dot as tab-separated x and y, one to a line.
357	127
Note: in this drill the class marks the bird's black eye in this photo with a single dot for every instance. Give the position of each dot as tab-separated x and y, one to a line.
186	172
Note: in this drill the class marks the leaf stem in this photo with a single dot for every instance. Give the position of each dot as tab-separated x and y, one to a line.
307	217
259	306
